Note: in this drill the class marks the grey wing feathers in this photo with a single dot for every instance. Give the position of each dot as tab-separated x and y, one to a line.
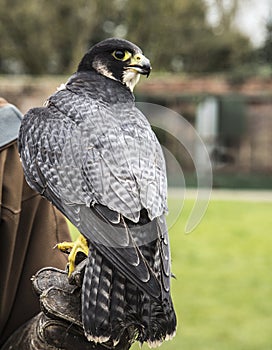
112	153
116	243
76	169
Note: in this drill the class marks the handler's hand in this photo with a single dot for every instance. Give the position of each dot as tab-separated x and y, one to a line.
59	325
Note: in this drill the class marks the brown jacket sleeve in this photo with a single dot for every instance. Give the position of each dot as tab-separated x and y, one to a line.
29	229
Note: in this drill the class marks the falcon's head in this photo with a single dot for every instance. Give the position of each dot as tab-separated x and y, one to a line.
117	59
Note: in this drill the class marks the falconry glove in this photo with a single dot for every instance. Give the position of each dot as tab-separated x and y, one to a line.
58	325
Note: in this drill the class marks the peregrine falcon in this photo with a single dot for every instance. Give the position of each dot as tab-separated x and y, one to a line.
93	154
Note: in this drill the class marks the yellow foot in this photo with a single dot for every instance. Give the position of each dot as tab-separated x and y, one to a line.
72	248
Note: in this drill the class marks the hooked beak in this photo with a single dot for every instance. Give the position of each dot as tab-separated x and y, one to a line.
140	64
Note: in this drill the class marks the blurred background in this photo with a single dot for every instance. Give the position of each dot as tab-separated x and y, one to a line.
212	63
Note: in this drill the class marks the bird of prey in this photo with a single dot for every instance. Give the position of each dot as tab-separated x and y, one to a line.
93	154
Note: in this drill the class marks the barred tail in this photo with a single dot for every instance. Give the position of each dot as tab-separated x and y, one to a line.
112	304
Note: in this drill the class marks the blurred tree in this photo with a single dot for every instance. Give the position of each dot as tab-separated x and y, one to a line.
43	36
172	30
178	37
50	36
225	11
267	48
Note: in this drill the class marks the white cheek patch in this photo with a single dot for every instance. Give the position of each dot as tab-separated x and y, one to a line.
131	78
102	69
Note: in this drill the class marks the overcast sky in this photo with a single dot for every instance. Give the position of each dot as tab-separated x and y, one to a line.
251	18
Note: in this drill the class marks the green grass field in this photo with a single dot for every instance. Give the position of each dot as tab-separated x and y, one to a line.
223	286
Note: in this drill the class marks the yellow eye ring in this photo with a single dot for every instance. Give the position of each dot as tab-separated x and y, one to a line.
121	55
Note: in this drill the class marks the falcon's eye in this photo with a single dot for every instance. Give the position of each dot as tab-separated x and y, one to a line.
121	55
